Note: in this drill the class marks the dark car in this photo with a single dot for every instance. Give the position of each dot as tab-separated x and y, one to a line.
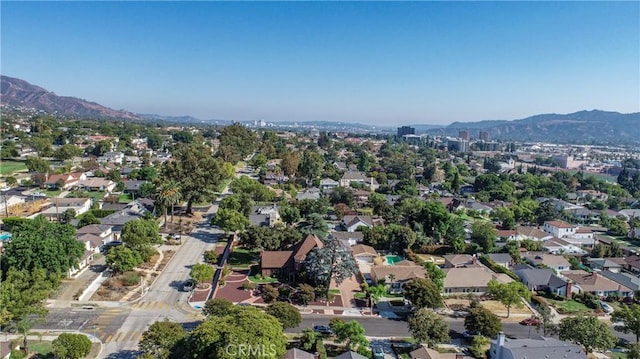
530	321
188	285
378	352
323	329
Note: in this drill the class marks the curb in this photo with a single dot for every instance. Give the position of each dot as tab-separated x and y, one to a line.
156	278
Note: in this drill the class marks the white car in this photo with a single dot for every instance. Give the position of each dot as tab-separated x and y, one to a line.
607	308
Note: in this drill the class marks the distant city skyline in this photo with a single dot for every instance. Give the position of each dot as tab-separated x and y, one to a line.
378	63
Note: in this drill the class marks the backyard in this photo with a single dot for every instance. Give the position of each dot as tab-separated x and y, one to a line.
243	258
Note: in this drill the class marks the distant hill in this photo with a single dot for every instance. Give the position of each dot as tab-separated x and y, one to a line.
594	126
20	93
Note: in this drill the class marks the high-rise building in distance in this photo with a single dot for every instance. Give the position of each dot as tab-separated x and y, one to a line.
484	136
464	135
406	130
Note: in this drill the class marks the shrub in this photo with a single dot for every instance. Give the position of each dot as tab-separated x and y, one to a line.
320	349
130	278
248	286
211	257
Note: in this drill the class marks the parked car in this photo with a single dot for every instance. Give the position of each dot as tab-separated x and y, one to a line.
323	329
188	285
606	308
530	321
468	334
377	351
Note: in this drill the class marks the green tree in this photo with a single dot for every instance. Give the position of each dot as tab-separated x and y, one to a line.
229	220
71	346
100	148
484	234
290	215
374	293
236	142
314	224
483	322
218	307
161	338
629	316
139	235
147	190
259	160
436	274
37	164
286	313
428	328
122	259
332	261
218	337
39	243
509	294
167	196
306	294
201	272
199	174
308	338
311	165
67	152
68	215
351	333
588	331
423	293
290	162
87	219
23	292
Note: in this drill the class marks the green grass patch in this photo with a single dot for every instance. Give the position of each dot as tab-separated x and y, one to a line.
334	291
243	258
360	295
52	193
8	167
125	198
570	307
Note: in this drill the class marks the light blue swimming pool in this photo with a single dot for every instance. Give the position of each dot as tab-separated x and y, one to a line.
5	236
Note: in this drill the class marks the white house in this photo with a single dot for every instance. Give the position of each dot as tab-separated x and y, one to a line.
360	178
560	229
352	222
57	206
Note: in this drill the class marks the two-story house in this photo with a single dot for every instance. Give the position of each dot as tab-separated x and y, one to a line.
560	229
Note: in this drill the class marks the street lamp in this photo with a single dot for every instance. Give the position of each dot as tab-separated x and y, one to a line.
94	330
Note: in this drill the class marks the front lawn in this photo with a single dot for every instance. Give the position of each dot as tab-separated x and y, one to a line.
243	258
52	193
256	277
124	198
570	307
96	195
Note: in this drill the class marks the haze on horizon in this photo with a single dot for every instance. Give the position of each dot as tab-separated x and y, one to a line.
379	63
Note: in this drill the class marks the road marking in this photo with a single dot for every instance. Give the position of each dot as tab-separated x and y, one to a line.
133	336
117	336
153	306
108	338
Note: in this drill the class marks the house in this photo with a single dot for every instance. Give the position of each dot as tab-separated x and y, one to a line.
428	353
614	265
559	229
352	222
463	280
103	231
583	216
311	194
295	353
328	184
478	207
134	210
629	213
559	246
501	259
555	262
507	234
625	279
634	233
364	253
266	216
55	207
350	355
9	201
112	157
459	260
396	275
359	178
68	180
596	284
348	238
132	186
288	262
531	233
96	184
541	347
632	264
538	279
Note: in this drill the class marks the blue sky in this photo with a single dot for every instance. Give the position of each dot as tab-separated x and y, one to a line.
383	63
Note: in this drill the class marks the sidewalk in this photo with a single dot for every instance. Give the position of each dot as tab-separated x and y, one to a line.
82	281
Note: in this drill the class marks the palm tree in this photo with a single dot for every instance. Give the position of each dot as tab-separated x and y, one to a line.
168	195
374	294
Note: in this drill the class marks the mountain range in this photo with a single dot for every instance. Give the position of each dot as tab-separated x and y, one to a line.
593	126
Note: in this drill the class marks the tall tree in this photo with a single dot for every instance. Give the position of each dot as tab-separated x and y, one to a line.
436	274
139	235
423	293
290	162
311	165
629	316
483	322
161	339
218	307
37	164
484	234
199	174
351	333
167	196
588	331
332	261
509	294
286	314
236	142
230	220
428	327
201	272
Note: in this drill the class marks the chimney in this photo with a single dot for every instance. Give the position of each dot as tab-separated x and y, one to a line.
569	287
